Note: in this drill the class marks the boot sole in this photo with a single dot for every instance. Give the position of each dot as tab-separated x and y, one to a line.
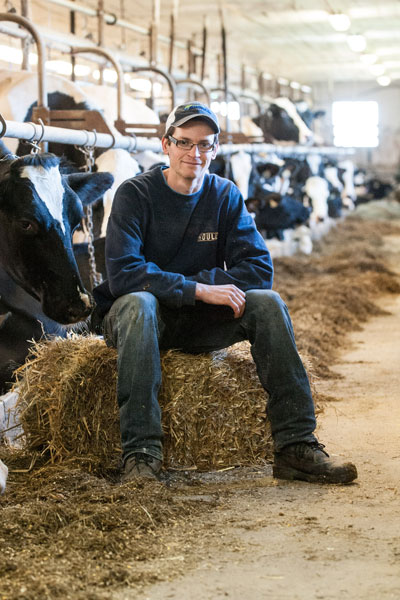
344	476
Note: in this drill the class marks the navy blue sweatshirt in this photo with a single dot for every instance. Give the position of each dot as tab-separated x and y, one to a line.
163	242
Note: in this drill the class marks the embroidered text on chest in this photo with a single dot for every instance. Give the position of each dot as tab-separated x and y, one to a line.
208	236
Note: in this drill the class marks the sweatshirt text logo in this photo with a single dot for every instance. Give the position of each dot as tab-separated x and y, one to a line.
208	236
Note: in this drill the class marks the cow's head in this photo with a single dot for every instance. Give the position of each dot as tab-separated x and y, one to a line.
39	210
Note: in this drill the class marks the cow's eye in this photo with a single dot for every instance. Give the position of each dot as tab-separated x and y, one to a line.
26	226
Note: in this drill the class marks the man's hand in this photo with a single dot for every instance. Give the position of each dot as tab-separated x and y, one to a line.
228	295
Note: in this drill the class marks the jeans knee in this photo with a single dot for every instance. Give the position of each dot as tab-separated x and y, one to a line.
135	305
268	300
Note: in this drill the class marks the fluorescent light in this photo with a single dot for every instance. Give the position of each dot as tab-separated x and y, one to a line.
384	80
283	81
295	85
377	70
306	89
339	21
368	59
357	43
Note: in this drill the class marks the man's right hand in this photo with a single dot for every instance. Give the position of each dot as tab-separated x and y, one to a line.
227	295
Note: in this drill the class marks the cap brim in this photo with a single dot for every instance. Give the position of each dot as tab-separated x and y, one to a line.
189	117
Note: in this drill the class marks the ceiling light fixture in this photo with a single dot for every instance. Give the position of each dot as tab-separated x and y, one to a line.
357	42
339	21
384	80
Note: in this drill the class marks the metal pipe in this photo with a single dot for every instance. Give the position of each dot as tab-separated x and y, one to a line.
249	97
169	79
171	44
100	34
203	51
33	132
227	149
42	88
25	12
193	82
115	64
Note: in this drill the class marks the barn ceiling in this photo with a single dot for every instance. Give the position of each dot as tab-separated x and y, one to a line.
290	39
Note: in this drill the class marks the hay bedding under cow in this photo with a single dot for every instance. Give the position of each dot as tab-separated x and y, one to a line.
66	533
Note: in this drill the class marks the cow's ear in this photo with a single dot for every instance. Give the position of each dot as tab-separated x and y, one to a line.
89	186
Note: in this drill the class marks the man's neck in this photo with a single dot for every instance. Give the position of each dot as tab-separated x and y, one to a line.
182	185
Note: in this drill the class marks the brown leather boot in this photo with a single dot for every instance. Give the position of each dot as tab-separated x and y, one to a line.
309	462
141	466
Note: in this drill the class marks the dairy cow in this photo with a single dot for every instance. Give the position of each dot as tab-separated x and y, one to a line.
40	287
281	122
19	96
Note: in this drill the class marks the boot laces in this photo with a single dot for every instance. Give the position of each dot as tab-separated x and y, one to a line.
318	446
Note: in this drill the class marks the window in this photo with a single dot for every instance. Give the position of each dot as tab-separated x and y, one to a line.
355	124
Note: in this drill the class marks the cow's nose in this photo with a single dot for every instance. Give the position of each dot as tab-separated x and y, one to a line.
78	314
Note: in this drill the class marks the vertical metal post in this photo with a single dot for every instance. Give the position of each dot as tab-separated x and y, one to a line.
225	70
72	23
171	44
204	50
25	12
100	34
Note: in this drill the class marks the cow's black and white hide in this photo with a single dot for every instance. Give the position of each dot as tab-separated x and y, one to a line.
307	114
40	286
277	213
369	187
281	122
274	210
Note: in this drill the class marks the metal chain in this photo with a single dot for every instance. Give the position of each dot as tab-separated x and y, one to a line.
95	277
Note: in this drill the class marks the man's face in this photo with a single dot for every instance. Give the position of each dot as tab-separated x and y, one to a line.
190	164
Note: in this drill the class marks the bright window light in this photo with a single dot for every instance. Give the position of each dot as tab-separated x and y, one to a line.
109	75
14	55
355	124
59	66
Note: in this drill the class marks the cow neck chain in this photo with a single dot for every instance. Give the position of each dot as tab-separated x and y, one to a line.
95	277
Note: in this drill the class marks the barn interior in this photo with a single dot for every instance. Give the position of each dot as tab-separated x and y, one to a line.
218	525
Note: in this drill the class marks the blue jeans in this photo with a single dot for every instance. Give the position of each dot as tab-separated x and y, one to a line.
139	327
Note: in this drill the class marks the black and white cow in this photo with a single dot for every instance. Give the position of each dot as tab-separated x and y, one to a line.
40	287
281	122
19	96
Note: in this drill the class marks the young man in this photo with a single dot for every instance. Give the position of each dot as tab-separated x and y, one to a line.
187	269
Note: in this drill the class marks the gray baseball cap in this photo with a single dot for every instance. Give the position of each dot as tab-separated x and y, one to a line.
184	112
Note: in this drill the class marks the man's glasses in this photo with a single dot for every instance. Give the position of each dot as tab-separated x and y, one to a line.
188	145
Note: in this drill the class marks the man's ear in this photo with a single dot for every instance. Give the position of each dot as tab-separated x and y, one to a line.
215	150
165	144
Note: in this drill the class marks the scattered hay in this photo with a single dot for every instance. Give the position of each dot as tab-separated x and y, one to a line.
66	534
332	292
213	406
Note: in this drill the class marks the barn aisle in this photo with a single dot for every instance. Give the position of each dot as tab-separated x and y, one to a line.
296	541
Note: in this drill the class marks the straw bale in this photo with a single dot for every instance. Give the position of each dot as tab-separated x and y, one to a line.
213	406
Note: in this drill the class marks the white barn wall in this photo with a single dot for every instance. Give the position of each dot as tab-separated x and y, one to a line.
385	159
